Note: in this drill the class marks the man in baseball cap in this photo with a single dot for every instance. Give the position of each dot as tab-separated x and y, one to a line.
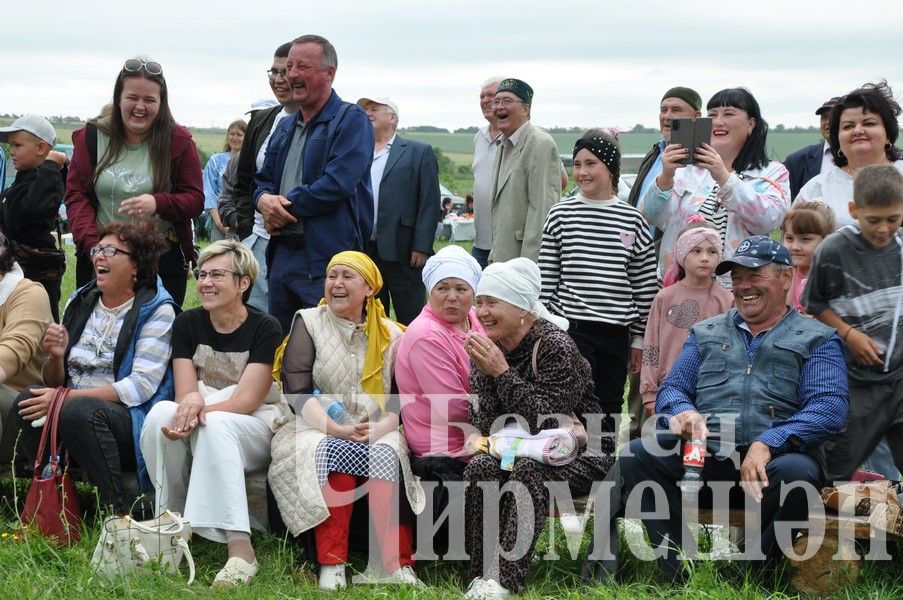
763	386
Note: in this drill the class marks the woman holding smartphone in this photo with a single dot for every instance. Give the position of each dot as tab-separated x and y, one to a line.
731	182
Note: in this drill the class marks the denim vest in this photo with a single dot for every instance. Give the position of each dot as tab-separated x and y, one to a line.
759	394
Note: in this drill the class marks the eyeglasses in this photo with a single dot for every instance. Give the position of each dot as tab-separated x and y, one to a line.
506	102
108	251
274	73
151	67
216	275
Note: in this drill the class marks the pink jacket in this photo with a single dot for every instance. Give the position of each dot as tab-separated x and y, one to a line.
432	370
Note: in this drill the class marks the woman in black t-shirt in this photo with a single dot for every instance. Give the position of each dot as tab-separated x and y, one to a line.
220	425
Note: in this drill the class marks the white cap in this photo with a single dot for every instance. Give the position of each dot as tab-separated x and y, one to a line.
363	102
262	104
33	124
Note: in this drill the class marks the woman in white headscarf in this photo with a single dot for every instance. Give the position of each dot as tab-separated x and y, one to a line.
525	366
432	371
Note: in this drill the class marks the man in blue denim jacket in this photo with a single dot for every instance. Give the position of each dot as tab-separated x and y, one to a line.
764	387
314	187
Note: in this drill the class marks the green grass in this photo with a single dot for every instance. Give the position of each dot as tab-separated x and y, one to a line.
34	569
459	146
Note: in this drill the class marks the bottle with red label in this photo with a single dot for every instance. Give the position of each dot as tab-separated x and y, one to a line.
694	461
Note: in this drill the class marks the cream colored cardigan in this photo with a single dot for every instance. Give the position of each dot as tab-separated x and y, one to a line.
340	347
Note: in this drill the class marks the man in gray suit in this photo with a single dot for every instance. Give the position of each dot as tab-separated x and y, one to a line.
527	175
405	180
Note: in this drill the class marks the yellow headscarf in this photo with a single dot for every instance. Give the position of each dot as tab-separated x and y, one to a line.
375	327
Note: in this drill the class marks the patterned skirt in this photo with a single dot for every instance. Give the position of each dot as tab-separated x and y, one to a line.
336	455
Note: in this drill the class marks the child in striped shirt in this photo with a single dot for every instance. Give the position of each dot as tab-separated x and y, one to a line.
598	268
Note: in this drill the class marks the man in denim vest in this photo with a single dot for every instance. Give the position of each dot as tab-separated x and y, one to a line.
763	386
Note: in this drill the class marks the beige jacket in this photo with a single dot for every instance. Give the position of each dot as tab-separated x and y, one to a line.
24	317
340	348
523	195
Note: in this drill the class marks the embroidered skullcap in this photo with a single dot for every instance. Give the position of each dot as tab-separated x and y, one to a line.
451	261
518	88
517	282
686	94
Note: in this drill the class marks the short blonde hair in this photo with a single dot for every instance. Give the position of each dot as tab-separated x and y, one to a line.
243	262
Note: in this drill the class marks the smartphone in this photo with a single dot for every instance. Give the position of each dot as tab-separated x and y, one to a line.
691	134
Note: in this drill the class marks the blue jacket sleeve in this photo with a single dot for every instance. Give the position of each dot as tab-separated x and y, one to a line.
350	155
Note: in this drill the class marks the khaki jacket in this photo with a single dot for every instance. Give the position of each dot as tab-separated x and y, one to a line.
523	195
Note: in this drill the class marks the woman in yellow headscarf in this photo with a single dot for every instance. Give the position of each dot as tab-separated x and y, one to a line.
336	373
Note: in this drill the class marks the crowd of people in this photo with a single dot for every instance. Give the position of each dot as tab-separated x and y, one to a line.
324	222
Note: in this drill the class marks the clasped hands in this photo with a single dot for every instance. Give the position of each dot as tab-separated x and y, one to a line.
190	414
274	209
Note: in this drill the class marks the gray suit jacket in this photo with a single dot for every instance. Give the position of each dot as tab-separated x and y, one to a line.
523	195
408	206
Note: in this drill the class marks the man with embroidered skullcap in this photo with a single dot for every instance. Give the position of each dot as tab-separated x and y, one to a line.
526	179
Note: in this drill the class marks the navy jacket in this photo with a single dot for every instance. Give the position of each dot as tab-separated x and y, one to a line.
803	165
334	200
408	206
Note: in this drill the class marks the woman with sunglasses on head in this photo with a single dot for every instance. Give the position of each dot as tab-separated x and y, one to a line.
199	447
136	163
112	349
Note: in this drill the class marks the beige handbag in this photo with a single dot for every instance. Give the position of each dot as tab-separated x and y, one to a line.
126	545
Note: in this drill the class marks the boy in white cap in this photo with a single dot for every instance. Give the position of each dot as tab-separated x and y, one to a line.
29	208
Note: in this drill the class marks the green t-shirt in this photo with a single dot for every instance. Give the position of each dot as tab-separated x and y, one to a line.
129	176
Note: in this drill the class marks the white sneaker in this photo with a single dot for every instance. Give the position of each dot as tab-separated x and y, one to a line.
404	576
237	571
332	577
486	589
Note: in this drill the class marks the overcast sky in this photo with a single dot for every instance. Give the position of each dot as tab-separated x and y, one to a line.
591	63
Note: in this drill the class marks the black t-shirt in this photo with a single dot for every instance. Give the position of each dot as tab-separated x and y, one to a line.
219	358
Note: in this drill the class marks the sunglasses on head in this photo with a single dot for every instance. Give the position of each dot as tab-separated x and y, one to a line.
134	65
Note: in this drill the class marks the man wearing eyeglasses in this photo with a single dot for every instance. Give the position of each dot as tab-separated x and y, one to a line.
235	201
526	179
314	187
405	181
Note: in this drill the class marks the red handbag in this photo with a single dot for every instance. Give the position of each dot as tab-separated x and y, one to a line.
51	505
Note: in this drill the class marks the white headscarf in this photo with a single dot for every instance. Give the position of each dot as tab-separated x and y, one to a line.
517	282
451	261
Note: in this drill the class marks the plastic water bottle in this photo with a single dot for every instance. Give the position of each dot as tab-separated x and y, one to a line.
338	413
49	471
694	461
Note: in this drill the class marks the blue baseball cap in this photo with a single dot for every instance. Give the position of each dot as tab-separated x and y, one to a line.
754	252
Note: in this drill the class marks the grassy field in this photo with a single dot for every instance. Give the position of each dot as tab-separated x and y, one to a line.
30	568
459	147
455	144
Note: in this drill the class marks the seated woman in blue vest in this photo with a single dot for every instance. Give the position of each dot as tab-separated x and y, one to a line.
112	350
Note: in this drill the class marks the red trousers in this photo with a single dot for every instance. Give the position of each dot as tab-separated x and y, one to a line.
395	539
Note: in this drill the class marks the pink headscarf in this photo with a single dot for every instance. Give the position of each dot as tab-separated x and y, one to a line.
688	240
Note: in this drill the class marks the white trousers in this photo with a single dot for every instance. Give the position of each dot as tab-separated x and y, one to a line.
203	475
